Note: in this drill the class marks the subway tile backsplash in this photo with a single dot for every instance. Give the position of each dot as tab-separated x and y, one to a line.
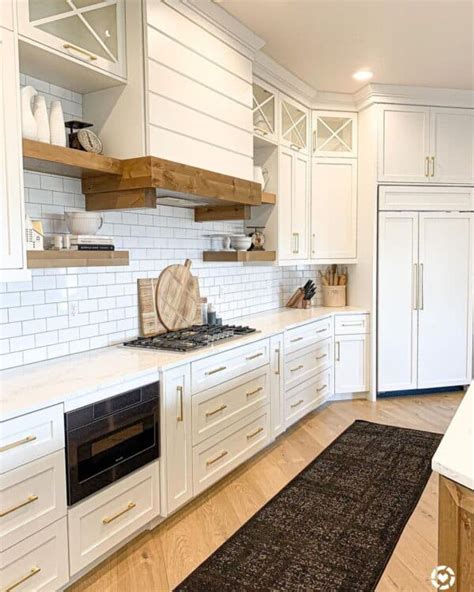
64	311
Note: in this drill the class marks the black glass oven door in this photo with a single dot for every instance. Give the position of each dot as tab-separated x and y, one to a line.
102	451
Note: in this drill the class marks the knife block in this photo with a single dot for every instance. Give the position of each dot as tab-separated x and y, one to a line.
297	300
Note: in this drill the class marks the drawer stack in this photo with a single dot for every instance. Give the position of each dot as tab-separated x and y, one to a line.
33	523
308	368
230	411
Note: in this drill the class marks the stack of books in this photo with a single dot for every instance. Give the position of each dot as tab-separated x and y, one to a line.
86	242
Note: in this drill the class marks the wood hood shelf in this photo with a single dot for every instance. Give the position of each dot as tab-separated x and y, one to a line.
112	184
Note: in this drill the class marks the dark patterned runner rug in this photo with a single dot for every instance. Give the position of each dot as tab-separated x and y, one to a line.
334	527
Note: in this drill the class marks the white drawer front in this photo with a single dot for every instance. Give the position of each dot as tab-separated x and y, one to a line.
217	456
31	497
221	367
304	364
31	436
355	324
309	334
38	563
215	409
308	395
105	519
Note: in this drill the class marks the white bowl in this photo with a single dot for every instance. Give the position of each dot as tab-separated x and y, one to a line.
84	222
241	243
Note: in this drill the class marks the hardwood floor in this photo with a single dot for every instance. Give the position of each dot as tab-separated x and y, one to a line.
158	560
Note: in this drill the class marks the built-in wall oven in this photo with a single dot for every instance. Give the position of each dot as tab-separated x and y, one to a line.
109	439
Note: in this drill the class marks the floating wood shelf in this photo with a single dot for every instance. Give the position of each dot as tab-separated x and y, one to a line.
269	198
57	160
64	258
238	256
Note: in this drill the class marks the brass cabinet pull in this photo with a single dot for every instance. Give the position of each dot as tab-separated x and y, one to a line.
260	131
298	403
179	392
352	324
130	506
421	287
427	166
277	352
254	356
220	369
325	386
33	572
296	368
214	460
321	330
221	408
321	357
30	500
296	339
17	443
253	434
432	166
257	390
295	242
91	56
338	351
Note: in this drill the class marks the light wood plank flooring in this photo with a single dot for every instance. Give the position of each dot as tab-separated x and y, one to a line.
158	560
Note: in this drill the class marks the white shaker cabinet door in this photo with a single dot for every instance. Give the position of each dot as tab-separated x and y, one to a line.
351	363
452	145
444	349
404	136
397	301
300	205
176	449
286	238
12	255
334	208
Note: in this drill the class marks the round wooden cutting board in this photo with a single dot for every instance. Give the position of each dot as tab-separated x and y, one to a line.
177	296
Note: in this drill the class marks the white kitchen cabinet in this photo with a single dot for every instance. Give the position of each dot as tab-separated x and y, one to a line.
424	300
452	145
334	208
334	134
12	249
91	31
6	14
265	111
426	145
294	124
277	393
176	451
351	363
404	138
293	204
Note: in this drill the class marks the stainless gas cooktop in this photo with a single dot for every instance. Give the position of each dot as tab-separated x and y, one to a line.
192	338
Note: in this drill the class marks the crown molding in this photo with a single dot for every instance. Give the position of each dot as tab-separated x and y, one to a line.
219	22
272	72
334	101
413	95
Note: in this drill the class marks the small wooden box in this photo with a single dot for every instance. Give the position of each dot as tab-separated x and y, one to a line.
334	296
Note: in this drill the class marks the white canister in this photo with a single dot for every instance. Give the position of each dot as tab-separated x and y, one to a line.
56	124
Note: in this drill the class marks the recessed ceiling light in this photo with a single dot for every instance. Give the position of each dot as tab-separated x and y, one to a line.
362	75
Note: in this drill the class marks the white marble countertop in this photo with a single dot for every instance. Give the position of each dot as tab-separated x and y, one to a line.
454	458
103	371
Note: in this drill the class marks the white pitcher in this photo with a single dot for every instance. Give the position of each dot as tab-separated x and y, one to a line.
40	113
56	124
29	127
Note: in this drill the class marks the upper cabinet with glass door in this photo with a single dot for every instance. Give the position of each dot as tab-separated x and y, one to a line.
264	111
293	125
334	134
89	30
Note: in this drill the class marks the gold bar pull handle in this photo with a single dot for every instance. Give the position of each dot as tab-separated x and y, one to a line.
129	507
427	166
325	386
179	393
296	368
27	502
85	53
295	244
220	369
257	390
254	356
321	357
221	408
33	572
17	443
253	434
297	403
214	460
338	351
432	166
277	353
296	339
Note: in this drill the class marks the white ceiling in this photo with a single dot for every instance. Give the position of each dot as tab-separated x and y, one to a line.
323	42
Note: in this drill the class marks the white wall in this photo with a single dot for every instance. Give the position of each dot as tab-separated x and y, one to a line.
63	311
